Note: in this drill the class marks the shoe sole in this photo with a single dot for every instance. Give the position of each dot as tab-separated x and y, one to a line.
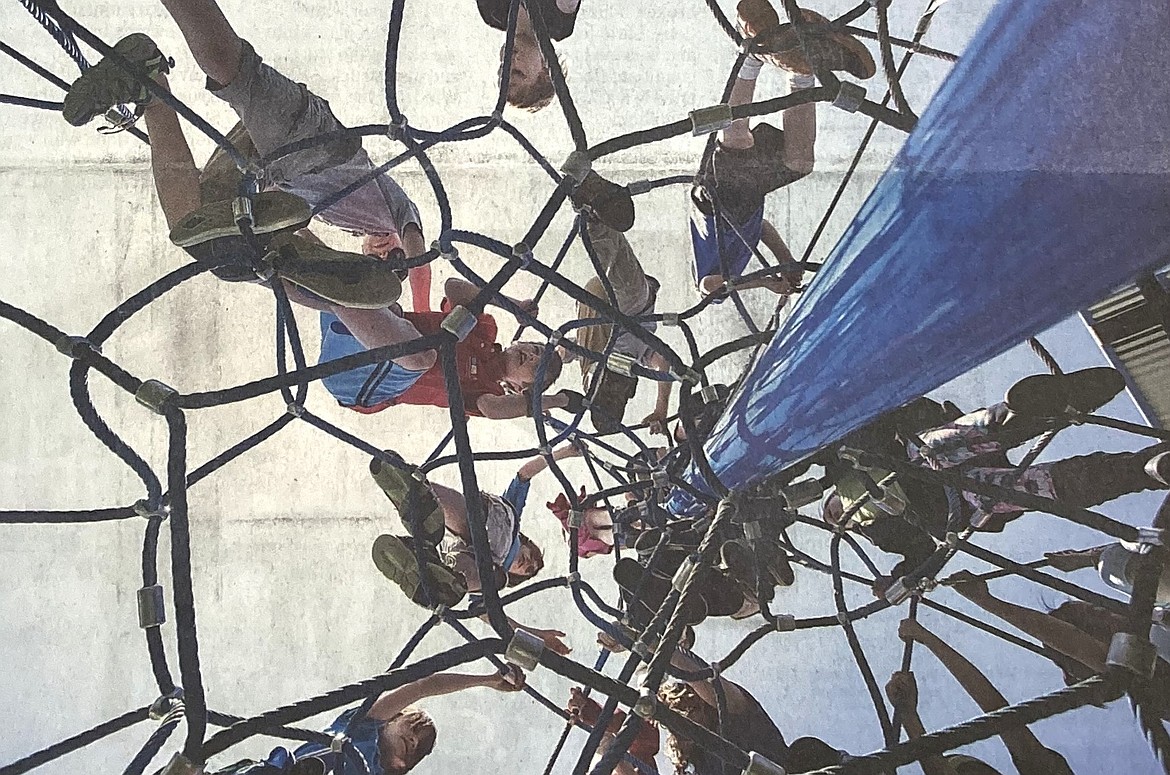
1050	395
273	211
396	561
132	48
863	67
396	485
346	279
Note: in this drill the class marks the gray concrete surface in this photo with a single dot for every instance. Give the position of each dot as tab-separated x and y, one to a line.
289	604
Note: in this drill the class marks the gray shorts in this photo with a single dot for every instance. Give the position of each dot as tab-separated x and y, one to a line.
277	111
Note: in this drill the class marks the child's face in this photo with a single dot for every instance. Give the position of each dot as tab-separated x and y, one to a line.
526	564
522	361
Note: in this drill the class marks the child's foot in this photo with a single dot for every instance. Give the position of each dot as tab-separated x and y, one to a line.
272	211
412	498
806	50
1052	395
347	279
608	202
394	557
107	84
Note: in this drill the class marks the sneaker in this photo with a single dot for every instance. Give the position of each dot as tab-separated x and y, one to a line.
740	563
607	408
107	84
272	211
775	562
723	595
805	50
394	557
608	202
347	279
412	498
645	594
1158	468
220	177
1052	395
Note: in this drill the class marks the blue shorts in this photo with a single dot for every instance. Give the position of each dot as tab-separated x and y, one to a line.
707	238
364	386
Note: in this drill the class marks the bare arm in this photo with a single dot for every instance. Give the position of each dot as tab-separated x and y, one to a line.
537	464
461	293
1049	630
662	401
392	703
734	694
510	407
1020	742
902	690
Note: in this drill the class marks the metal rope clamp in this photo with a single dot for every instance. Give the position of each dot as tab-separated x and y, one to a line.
74	345
242	211
785	623
451	255
152	610
660	478
1133	653
849	97
761	765
524	650
620	363
577	166
572	578
646	705
155	395
709	394
143	509
1150	537
704	121
638	187
576	518
337	744
686	571
522	251
181	765
459	322
899	593
166	704
295	409
671	319
396	130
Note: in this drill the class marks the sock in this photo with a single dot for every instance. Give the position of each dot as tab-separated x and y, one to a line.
796	82
750	69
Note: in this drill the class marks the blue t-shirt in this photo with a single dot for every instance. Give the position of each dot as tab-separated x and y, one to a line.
708	234
516	495
364	736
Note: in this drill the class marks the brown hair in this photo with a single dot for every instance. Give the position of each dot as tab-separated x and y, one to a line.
424	726
685	701
515	579
538	95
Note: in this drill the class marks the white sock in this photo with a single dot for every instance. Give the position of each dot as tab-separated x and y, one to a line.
750	70
796	82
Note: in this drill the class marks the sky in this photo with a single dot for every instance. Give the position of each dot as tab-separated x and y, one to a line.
288	603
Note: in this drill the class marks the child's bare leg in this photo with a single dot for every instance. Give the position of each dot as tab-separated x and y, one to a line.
419	276
213	43
176	178
380	327
454	508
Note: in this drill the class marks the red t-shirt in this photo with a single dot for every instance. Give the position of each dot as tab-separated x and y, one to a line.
479	362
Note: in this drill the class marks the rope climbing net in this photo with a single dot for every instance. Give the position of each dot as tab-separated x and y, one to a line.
619	463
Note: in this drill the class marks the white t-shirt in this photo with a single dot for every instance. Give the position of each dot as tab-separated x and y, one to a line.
378	207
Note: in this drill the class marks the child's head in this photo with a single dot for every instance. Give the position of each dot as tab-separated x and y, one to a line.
529	562
521	361
405	741
530	86
685	701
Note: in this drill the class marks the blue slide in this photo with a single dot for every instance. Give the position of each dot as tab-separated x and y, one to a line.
1037	181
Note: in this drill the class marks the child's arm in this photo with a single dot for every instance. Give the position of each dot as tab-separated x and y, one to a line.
657	419
537	464
902	690
552	638
176	178
513	406
392	702
1049	630
460	293
1020	741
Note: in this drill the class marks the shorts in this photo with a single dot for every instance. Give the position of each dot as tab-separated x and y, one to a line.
716	244
277	111
364	387
501	524
228	257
